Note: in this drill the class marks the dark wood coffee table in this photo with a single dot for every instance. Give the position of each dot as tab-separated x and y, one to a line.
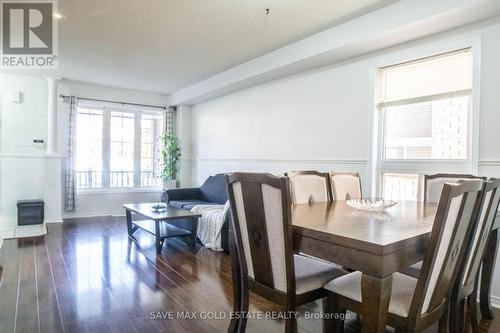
161	223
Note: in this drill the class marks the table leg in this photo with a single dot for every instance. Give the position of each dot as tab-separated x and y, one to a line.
130	228
235	324
158	241
487	275
376	294
194	230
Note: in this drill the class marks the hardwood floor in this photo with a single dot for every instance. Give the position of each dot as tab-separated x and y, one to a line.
86	275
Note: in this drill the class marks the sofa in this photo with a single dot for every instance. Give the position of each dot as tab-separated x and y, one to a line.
212	192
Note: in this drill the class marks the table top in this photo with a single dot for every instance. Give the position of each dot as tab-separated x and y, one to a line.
405	224
171	213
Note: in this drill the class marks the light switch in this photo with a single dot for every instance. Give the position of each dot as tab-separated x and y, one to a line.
16	96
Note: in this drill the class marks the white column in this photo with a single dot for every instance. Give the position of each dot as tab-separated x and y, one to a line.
52	186
184	133
53	82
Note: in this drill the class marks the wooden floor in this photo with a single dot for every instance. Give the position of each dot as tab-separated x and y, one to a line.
86	275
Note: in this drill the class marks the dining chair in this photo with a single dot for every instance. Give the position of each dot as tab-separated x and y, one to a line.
345	184
433	184
416	304
261	248
309	186
466	287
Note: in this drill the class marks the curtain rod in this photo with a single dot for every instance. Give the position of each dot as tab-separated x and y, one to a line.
110	101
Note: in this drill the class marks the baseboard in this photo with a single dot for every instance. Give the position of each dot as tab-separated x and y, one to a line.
495	301
82	216
58	220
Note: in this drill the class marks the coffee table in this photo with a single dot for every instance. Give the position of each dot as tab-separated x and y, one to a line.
161	223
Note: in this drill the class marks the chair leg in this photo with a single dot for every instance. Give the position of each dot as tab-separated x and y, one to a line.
328	308
334	315
291	320
244	309
444	321
472	309
456	315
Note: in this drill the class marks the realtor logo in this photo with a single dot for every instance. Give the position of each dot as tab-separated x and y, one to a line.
29	34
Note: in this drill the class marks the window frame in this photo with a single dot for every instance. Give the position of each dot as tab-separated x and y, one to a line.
378	165
106	147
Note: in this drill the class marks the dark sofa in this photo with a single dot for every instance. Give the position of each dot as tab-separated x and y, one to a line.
213	191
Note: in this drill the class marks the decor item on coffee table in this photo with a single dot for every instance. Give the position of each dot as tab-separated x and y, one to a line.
161	222
30	212
213	191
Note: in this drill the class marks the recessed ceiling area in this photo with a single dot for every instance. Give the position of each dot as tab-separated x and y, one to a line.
163	46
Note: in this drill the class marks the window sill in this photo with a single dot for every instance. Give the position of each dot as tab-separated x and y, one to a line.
119	190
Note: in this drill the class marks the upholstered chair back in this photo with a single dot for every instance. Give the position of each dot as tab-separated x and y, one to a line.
261	209
458	205
345	184
482	231
309	187
433	184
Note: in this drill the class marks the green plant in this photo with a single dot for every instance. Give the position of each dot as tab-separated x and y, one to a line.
170	155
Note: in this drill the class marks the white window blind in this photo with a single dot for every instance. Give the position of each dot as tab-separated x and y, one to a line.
426	79
424	107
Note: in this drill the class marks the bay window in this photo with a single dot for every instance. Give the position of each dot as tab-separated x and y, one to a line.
117	148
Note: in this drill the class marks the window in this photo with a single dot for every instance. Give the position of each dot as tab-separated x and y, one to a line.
89	148
424	117
150	149
121	151
117	148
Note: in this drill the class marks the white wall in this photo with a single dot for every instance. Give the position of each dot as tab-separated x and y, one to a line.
26	172
322	119
22	165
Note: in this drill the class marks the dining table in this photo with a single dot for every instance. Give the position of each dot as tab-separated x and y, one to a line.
378	244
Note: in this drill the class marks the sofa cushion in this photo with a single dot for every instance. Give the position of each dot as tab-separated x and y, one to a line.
214	189
187	204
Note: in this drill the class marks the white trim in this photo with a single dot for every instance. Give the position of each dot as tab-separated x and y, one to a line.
118	190
372	183
44	156
492	162
57	220
272	160
475	109
495	301
91	215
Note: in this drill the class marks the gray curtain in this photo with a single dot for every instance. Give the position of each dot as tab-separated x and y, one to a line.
69	167
170	120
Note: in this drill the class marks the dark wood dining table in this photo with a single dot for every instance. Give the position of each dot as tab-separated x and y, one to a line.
376	243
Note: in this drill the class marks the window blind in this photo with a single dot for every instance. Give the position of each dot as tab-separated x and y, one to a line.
438	77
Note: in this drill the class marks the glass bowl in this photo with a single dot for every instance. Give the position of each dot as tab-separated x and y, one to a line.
374	204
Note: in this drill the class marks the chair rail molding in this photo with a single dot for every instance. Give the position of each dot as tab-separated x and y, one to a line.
273	160
489	162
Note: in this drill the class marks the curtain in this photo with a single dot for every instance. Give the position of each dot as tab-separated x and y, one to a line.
70	194
170	120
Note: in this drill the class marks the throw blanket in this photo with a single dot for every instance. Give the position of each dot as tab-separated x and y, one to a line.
210	224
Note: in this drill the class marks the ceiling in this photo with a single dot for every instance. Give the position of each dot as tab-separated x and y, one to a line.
165	45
